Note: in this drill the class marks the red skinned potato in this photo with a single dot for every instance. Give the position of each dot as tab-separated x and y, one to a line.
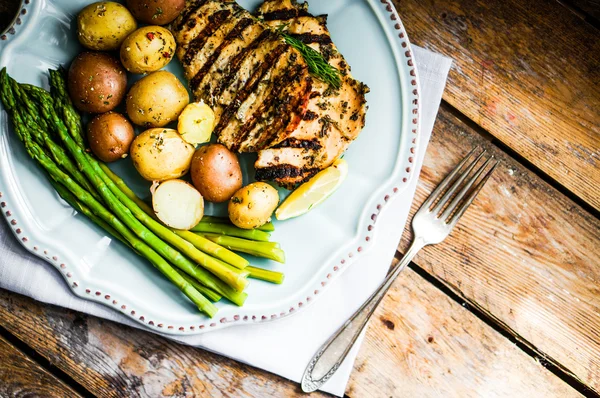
216	172
97	82
155	12
110	136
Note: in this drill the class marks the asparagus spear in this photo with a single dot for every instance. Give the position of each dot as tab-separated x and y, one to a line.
211	294
70	115
200	243
204	277
57	152
270	250
216	250
210	291
268	227
37	153
231	230
266	275
145	226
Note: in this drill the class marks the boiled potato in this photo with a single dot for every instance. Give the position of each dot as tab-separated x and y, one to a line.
148	49
104	25
156	12
252	206
96	82
178	204
196	123
161	154
216	172
156	100
109	136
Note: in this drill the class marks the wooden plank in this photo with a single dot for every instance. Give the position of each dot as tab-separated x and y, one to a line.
590	7
523	253
8	11
528	72
421	343
21	377
112	360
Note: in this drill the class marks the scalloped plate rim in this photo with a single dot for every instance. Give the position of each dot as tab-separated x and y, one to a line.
407	73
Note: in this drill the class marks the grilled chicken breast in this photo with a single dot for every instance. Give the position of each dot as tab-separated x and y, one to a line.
260	88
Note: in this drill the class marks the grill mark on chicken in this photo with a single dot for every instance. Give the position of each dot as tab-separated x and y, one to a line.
283	15
277	76
261	101
328	123
187	13
238	60
250	86
309	38
279	106
250	137
296	143
248	67
214	21
289	111
284	171
213	43
236	32
222	69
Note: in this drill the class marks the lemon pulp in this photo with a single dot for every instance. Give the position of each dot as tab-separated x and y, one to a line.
314	191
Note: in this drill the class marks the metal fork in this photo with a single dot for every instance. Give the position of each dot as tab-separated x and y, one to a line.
431	225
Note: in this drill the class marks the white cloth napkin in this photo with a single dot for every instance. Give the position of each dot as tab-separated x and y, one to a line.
283	347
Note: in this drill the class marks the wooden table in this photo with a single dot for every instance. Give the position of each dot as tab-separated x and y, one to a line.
509	305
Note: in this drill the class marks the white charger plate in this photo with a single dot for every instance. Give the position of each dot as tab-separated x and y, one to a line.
319	246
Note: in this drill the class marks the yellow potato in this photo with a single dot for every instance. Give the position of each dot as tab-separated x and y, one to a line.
196	123
252	206
156	100
104	25
178	204
161	154
148	49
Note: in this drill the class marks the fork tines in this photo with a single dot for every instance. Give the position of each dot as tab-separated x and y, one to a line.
463	179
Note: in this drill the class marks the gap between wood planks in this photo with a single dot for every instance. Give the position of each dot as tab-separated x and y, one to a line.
496	324
549	363
43	362
581	13
520	159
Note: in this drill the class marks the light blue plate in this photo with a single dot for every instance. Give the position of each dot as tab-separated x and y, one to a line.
318	245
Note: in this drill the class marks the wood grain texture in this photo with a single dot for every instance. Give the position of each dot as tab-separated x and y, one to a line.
21	377
400	356
528	71
421	343
111	360
589	7
523	253
8	11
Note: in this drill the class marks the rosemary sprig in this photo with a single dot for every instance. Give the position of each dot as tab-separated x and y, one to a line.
317	64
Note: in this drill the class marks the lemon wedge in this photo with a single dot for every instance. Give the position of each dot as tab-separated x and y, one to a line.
313	192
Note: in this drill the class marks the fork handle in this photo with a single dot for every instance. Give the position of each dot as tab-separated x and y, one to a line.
332	353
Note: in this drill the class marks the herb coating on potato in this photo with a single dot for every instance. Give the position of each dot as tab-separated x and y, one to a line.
216	172
161	154
96	82
103	26
156	100
148	49
252	206
156	12
109	136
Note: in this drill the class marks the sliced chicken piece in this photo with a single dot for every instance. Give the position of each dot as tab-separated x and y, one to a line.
256	83
264	98
333	118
